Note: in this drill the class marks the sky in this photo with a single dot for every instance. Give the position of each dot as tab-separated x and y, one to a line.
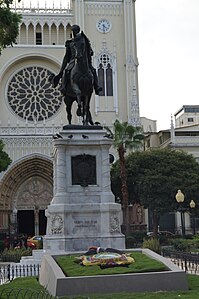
168	55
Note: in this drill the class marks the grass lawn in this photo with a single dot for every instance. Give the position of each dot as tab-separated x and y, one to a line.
142	263
32	283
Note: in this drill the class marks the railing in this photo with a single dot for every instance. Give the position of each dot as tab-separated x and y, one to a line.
39	130
188	262
8	258
186	140
10	293
9	272
42	7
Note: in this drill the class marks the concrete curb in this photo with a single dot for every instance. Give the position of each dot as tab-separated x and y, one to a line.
54	280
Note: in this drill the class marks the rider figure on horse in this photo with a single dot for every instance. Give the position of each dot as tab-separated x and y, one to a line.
69	61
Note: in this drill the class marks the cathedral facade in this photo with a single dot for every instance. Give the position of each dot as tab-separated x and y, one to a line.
32	111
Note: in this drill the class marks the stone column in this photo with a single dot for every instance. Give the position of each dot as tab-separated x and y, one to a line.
79	13
36	216
131	62
60	172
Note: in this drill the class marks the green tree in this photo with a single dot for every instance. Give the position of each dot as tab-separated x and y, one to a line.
4	158
125	137
9	24
154	177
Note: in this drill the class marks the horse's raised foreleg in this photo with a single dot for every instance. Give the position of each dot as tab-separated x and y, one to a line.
69	114
68	102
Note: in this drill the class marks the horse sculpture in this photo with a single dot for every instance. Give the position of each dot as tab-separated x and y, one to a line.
79	86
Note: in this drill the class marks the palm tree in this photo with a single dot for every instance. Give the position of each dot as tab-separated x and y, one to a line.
125	137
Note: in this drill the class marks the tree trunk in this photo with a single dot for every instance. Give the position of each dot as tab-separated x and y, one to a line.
156	219
124	189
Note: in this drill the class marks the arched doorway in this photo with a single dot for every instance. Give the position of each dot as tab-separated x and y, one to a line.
26	191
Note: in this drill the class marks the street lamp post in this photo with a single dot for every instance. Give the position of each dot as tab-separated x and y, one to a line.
192	205
180	200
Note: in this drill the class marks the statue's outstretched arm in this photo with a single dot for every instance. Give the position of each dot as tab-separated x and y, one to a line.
66	59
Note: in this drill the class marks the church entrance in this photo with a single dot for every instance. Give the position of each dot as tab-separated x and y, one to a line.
27	221
26	192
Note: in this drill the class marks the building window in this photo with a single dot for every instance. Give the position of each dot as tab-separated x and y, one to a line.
31	96
101	78
191	110
109	80
38	38
105	75
190	119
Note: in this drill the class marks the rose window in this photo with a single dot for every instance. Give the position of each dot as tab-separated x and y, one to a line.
31	96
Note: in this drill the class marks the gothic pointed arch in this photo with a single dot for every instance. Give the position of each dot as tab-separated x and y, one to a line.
106	64
105	72
27	183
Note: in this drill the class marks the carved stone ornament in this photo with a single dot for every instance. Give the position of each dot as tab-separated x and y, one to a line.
33	192
114	224
56	225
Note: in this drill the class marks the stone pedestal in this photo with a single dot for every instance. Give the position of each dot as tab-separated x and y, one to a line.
83	211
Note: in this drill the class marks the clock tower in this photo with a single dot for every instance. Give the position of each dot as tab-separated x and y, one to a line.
111	28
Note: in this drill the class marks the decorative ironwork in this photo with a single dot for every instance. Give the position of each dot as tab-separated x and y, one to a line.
31	96
186	261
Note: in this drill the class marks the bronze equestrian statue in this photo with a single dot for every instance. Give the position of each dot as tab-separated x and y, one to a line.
78	75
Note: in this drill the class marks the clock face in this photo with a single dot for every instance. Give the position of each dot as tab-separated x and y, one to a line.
104	25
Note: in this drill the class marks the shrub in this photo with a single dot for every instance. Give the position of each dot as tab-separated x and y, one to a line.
183	244
135	239
139	236
40	244
14	255
196	241
1	245
130	242
186	245
152	244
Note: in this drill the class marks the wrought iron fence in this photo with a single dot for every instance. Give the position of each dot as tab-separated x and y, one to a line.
15	258
9	272
186	261
8	293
